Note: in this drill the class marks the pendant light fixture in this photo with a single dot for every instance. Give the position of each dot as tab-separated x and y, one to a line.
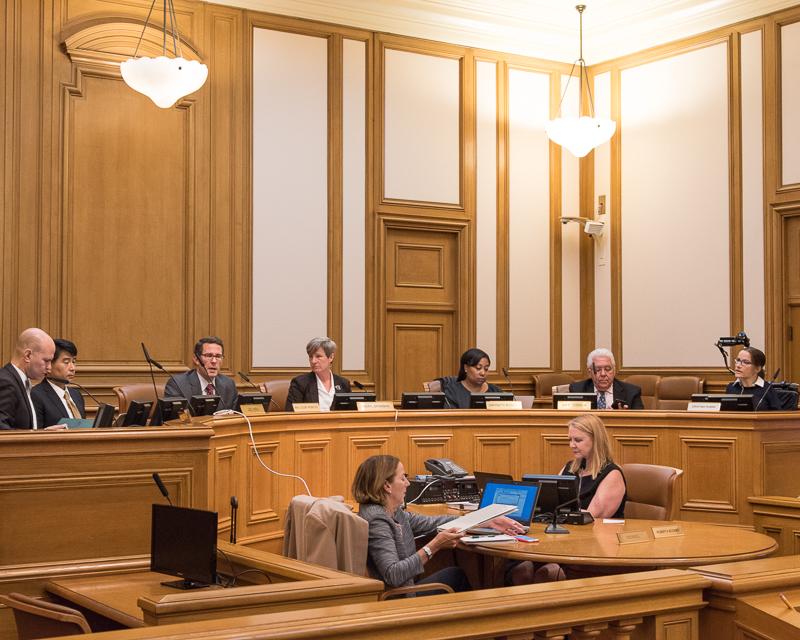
579	135
162	79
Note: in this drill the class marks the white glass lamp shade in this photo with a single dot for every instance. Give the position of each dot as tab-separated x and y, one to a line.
164	80
580	135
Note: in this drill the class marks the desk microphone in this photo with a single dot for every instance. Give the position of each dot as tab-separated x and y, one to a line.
234	510
162	488
508	379
358	385
70	383
247	379
767	386
554	527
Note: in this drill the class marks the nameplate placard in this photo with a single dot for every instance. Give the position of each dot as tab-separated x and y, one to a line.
704	406
497	405
632	537
305	407
667	531
574	405
255	409
380	405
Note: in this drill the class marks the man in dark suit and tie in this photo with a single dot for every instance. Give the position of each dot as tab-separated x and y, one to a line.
31	361
611	393
205	378
52	399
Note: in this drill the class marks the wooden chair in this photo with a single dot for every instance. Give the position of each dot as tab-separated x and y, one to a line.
675	392
650	489
543	383
278	389
37	618
649	386
141	392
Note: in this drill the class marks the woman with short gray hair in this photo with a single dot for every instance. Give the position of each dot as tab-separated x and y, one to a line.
320	384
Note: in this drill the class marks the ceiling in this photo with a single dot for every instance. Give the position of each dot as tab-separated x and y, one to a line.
539	28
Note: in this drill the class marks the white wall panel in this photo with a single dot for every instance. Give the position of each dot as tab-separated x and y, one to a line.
529	219
675	210
486	214
290	208
421	127
752	188
570	239
353	205
790	102
602	246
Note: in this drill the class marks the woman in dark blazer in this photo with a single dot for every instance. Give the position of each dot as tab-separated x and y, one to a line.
749	372
471	378
320	384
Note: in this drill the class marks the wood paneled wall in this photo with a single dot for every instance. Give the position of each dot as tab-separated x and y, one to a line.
123	223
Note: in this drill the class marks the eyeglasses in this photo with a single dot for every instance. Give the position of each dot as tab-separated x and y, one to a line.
602	369
213	356
744	363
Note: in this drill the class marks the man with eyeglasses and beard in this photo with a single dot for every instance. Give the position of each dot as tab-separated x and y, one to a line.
205	378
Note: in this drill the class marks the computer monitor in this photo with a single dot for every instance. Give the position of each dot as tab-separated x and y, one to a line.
137	414
183	543
427	400
104	416
727	402
347	401
484	477
168	409
201	405
575	397
523	495
555	490
264	399
479	400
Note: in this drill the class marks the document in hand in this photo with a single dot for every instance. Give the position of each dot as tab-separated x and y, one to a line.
477	518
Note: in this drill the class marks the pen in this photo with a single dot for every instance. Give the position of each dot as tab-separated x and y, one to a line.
786	601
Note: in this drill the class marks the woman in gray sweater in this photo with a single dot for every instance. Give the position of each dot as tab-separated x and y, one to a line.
380	488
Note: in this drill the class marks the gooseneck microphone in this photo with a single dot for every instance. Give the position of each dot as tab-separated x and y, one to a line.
234	510
162	488
554	527
246	378
72	383
151	363
358	385
508	379
767	387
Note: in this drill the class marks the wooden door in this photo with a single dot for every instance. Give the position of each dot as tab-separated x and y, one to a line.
791	320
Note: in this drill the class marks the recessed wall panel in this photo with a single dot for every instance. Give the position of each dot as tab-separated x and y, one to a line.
421	127
290	206
486	215
353	205
570	238
602	244
529	219
790	102
675	209
752	187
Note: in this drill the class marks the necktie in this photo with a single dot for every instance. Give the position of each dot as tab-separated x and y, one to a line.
28	387
601	400
210	391
73	408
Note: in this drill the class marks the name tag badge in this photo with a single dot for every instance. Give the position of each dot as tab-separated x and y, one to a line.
632	537
306	407
574	405
704	406
668	531
380	405
501	405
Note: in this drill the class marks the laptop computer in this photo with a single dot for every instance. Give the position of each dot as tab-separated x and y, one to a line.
523	495
482	477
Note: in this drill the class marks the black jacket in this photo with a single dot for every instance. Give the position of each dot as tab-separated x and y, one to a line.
15	411
628	393
304	389
49	408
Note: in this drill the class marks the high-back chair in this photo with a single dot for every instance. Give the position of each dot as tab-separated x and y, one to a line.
278	389
650	489
649	387
675	392
433	386
37	618
543	383
141	392
325	531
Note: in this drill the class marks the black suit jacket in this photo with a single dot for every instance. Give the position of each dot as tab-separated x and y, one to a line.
15	412
628	393
187	384
49	408
304	389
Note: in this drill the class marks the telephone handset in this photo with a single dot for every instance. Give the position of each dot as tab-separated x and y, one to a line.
444	467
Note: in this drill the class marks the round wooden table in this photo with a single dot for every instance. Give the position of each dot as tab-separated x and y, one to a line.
597	545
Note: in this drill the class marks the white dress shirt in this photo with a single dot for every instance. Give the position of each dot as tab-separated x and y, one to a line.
325	396
27	385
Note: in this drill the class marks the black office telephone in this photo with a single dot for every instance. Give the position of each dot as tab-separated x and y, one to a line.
444	467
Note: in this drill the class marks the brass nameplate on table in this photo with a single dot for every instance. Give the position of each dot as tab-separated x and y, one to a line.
704	406
255	409
498	405
574	405
632	537
306	407
667	531
380	405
